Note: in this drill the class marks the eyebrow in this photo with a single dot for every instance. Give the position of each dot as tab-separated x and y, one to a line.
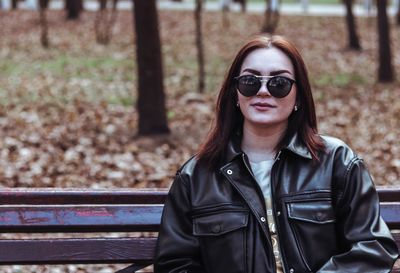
277	72
272	73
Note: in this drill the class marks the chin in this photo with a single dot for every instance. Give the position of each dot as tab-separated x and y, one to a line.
266	122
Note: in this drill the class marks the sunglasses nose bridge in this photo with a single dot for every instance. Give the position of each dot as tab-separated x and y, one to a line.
263	87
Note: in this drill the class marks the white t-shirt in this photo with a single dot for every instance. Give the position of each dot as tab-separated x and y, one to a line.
262	173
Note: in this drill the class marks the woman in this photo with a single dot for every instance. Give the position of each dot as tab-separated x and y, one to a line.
266	193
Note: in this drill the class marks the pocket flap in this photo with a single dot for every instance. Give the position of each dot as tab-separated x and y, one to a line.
219	223
318	212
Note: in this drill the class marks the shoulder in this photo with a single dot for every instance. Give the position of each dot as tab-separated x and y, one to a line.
345	164
338	150
188	167
195	172
187	170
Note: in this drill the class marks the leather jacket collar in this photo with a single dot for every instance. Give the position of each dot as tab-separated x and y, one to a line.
294	145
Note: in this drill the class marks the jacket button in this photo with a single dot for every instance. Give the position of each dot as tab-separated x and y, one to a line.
229	172
263	219
216	228
291	270
278	213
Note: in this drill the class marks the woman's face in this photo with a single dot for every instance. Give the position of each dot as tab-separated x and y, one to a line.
263	110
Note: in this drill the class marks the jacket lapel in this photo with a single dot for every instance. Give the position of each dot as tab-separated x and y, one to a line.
240	176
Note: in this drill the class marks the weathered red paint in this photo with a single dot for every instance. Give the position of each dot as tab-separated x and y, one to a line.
95	212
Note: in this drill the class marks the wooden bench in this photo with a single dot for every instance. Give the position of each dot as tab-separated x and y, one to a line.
69	211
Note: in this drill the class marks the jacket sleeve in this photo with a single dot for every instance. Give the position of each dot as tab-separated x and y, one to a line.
364	236
177	249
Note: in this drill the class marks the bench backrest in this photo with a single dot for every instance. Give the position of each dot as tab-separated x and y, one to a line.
79	211
83	211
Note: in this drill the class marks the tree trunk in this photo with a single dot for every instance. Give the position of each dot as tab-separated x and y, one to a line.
199	44
398	12
99	21
110	22
151	97
44	39
271	16
385	71
225	7
242	4
73	8
354	42
14	4
105	21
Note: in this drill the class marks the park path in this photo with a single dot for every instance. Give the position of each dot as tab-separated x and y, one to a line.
286	8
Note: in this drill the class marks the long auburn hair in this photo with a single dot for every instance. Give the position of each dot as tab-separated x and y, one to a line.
229	117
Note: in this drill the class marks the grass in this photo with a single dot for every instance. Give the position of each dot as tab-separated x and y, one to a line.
296	1
64	65
340	80
127	101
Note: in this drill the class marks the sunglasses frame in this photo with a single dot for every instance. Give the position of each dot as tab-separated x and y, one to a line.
263	79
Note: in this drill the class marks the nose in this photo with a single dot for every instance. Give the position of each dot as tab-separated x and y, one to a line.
263	91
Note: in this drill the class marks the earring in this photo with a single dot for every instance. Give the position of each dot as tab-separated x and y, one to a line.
296	108
237	104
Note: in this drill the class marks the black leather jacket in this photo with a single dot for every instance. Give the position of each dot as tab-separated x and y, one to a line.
327	216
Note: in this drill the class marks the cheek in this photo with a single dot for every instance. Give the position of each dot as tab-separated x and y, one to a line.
291	98
242	99
286	105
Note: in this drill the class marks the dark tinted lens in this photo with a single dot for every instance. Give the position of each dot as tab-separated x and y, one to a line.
248	85
279	87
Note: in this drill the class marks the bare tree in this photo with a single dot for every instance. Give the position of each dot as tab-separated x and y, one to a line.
199	45
242	3
44	39
354	42
151	97
14	4
385	71
271	16
105	21
398	12
73	8
226	6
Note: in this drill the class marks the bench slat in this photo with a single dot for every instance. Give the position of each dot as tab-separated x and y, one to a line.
51	196
34	196
82	218
94	218
390	213
78	251
388	194
63	218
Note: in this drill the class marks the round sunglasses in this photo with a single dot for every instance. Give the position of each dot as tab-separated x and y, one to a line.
278	86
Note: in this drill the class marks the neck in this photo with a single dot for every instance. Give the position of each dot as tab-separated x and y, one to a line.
260	143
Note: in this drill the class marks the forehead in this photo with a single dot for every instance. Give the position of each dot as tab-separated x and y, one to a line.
266	60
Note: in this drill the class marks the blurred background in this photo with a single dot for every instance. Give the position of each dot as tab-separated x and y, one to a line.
110	94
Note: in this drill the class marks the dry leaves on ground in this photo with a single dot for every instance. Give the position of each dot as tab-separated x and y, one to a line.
67	116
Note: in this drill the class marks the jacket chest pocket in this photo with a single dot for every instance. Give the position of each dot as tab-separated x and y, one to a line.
313	227
217	224
222	237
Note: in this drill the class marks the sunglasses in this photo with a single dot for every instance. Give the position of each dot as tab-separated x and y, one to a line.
278	86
